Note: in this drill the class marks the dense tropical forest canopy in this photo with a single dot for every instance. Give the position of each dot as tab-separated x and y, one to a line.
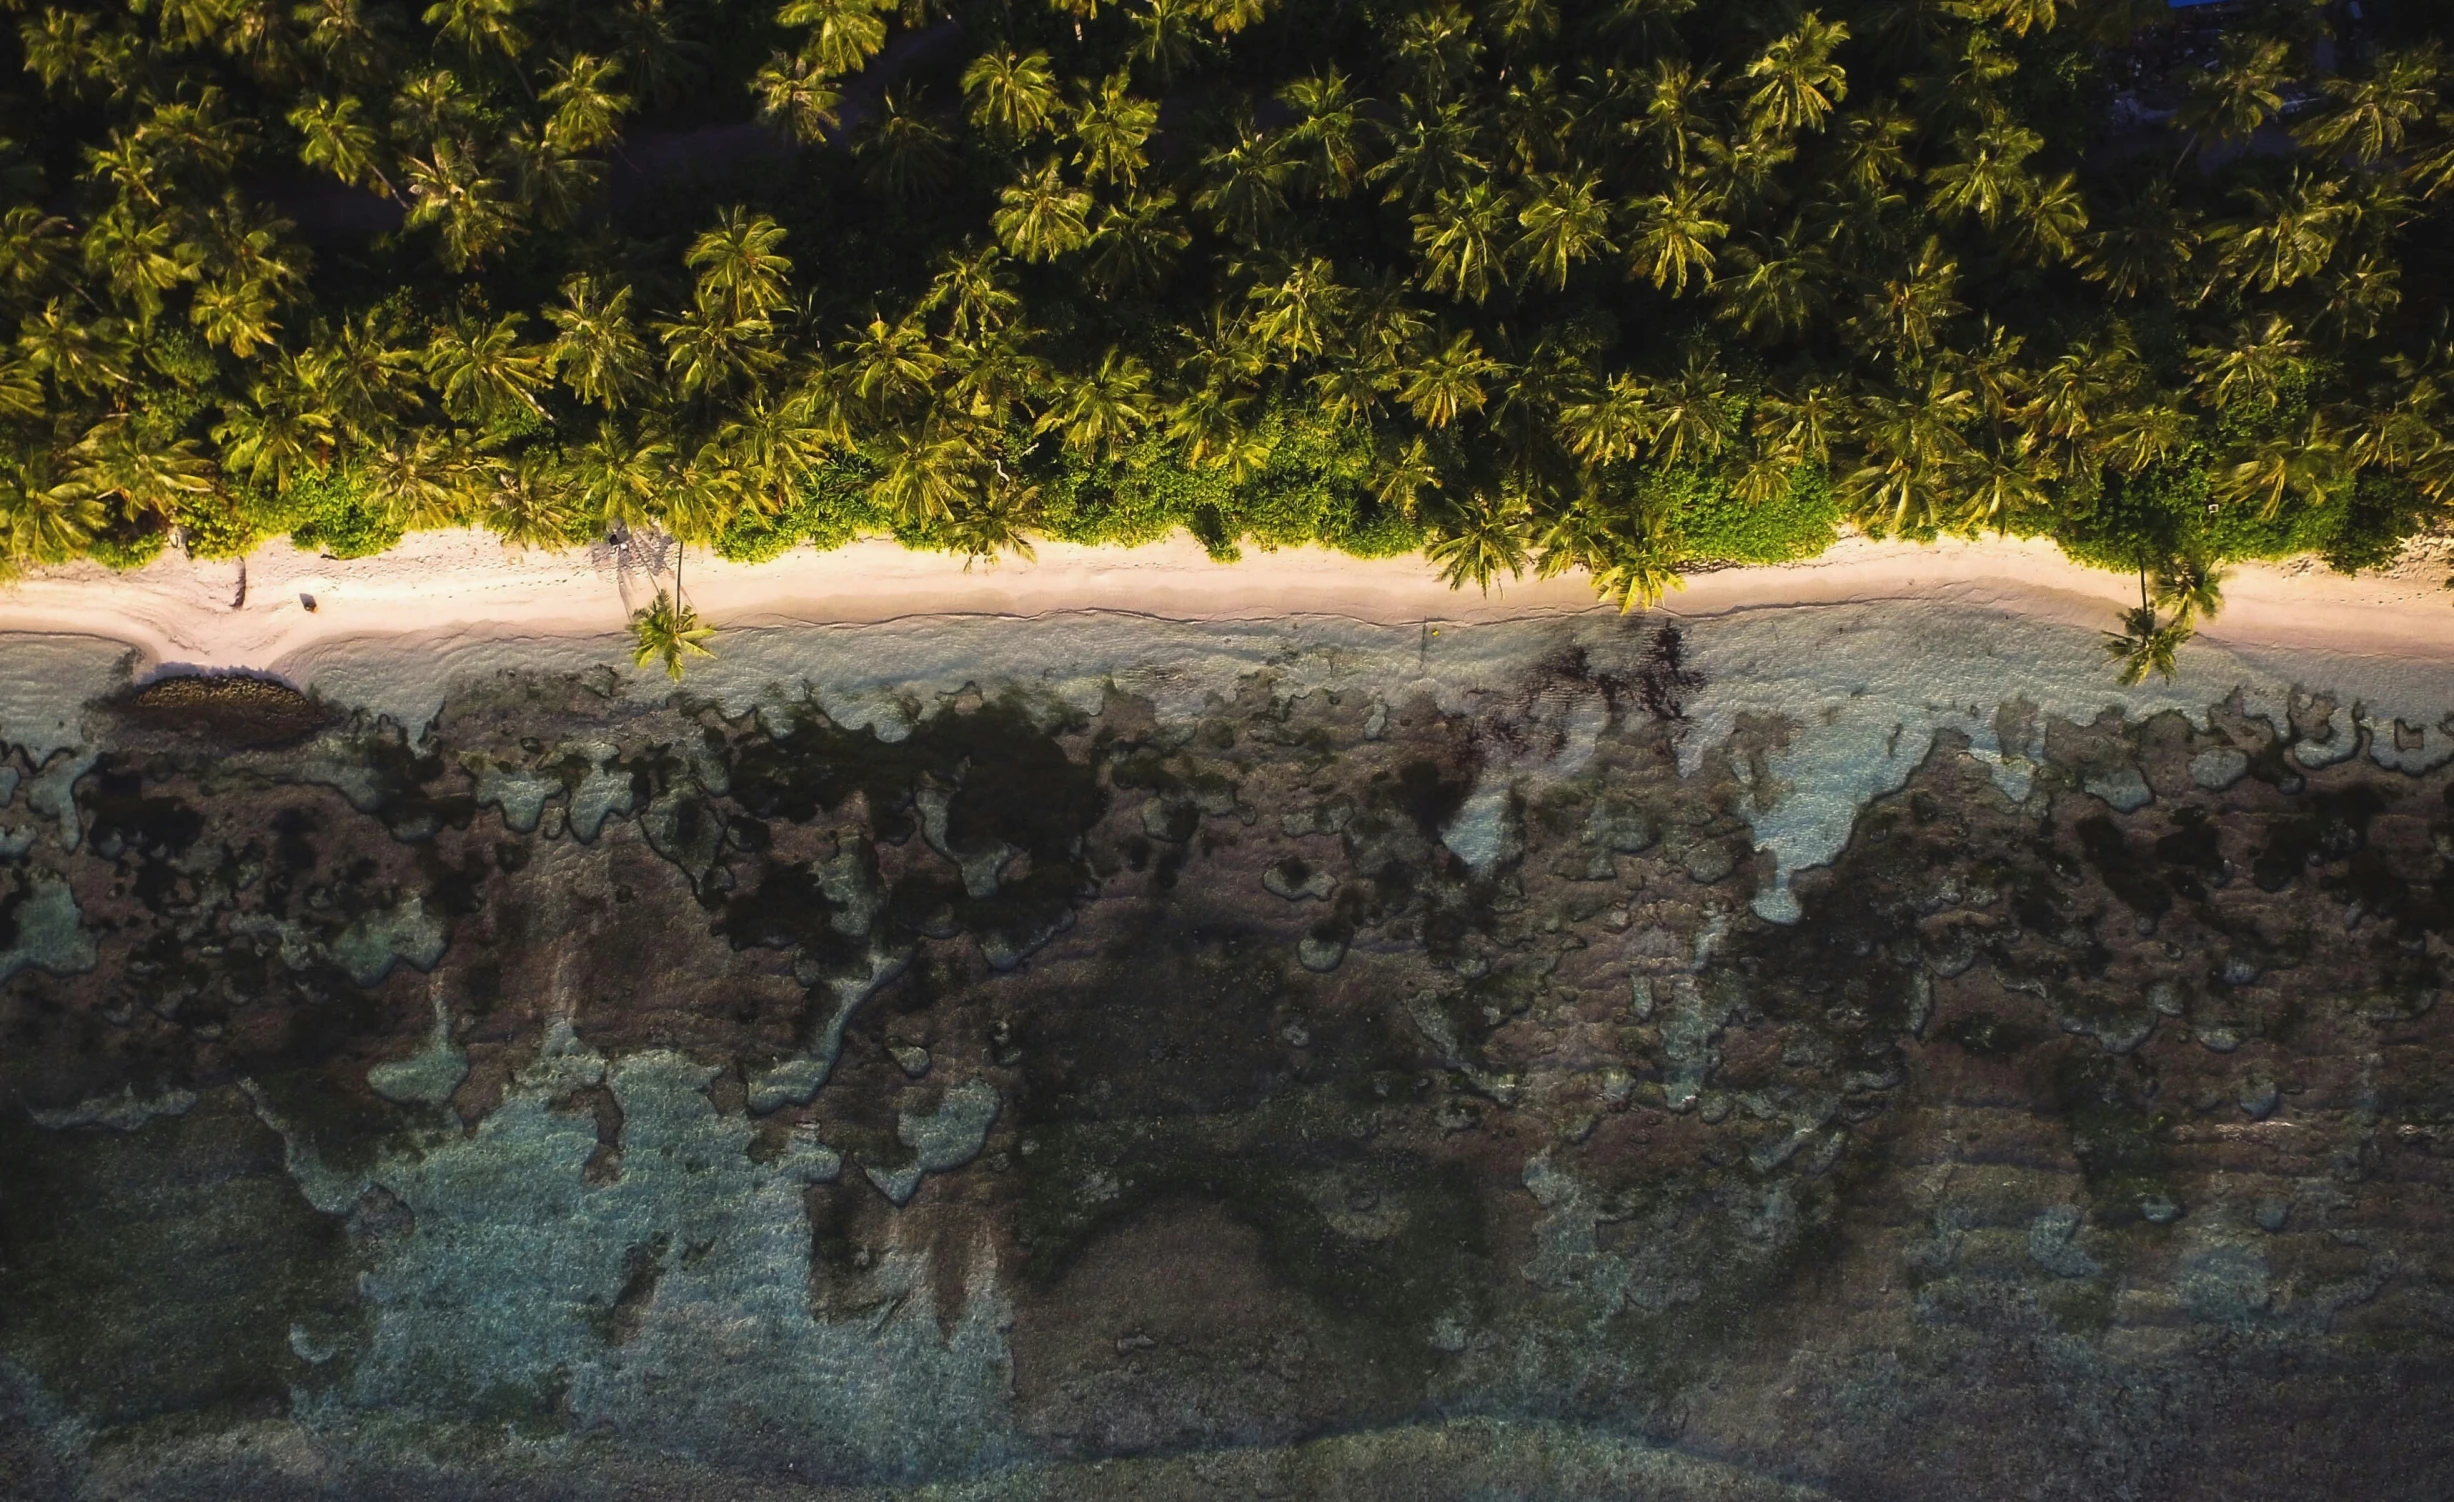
1618	285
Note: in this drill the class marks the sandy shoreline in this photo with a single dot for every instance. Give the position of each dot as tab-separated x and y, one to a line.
179	614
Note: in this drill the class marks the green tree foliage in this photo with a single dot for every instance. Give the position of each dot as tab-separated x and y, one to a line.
1614	287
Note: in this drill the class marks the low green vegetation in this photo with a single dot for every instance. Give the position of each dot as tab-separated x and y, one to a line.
1618	286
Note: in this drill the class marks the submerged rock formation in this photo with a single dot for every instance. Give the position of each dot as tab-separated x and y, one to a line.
1299	1083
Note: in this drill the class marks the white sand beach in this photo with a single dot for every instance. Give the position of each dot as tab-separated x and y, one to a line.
282	605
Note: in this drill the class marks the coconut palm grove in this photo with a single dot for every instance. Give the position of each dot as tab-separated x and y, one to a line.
1620	286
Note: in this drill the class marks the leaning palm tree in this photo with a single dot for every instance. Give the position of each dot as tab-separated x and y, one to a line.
2144	645
669	632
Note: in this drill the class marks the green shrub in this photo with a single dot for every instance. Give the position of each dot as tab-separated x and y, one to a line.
1713	525
332	513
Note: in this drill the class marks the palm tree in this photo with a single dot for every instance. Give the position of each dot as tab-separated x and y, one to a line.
21	391
528	508
2304	463
1110	129
620	481
1107	407
1460	238
33	247
551	183
282	429
449	189
976	290
775	447
904	153
2253	368
1436	45
85	357
1609	423
891	367
1136	243
1401	472
664	65
433	106
1674	236
930	471
1986	178
2431	168
797	96
2240	93
709	349
1674	115
1010	96
999	521
1689	416
596	352
334	135
2360	297
1350	386
2047	232
1802	421
1914	453
741	270
1434	152
1301	314
2144	645
1566	221
1041	216
354	42
668	632
1782	287
368	382
149	478
1480	538
1165	38
1444	387
1209	423
1626	551
418	480
477	25
45	517
698	496
236	314
142	257
1873	146
2141	434
843	34
995	376
2367	117
587	112
1244	183
1904	318
2147	242
2288	235
1325	148
1797	81
484	372
2192	587
1533	121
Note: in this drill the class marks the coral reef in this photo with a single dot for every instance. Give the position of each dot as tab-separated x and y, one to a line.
1282	1082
